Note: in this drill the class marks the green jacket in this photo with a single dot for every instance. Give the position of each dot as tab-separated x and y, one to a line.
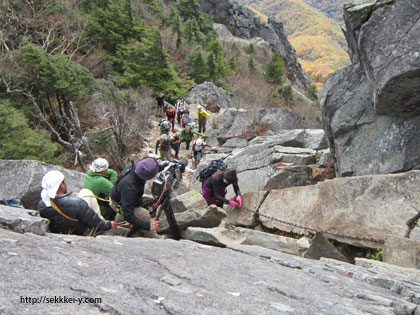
99	183
188	136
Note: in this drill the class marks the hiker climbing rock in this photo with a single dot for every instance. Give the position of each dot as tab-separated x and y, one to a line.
214	188
202	117
175	145
67	214
170	115
99	180
180	108
127	195
187	119
164	146
187	134
197	150
160	103
164	126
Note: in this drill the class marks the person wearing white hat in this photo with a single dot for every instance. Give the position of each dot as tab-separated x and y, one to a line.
197	150
99	180
67	214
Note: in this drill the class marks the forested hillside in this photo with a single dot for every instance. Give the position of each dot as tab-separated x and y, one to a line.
318	40
332	8
78	78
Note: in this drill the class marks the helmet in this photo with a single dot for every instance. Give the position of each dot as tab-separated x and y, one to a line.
199	141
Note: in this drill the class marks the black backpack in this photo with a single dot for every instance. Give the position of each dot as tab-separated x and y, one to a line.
125	171
211	168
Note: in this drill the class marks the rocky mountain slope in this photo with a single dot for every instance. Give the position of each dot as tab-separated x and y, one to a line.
132	276
246	24
317	38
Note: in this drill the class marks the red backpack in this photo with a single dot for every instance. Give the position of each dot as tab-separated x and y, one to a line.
171	112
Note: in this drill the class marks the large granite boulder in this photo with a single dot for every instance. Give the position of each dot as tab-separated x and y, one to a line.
210	95
188	201
387	33
208	217
22	220
146	276
248	124
256	163
244	23
247	214
290	176
357	210
371	109
402	252
22	180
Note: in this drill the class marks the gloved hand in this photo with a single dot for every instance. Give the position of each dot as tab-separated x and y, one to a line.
239	200
214	149
233	203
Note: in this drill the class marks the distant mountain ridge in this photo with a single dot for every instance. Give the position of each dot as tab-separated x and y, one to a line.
318	39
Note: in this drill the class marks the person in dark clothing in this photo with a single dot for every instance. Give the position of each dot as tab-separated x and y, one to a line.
160	103
164	146
68	214
175	145
128	194
214	188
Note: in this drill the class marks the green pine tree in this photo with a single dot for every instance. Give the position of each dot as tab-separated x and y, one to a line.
252	64
19	141
200	72
274	70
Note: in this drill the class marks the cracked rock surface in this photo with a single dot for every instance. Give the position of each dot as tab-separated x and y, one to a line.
144	276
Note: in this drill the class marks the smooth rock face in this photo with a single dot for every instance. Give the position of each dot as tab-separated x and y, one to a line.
402	252
22	220
188	201
365	207
290	176
144	276
23	178
371	109
208	93
209	217
246	24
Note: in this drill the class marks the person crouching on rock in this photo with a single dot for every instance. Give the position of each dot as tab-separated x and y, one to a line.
128	191
99	180
214	188
68	214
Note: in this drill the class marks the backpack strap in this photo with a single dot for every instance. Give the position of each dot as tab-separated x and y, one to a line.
61	212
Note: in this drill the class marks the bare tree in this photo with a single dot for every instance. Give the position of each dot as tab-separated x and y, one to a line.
125	113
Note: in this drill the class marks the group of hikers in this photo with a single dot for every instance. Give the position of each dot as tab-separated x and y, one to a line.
108	201
180	113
